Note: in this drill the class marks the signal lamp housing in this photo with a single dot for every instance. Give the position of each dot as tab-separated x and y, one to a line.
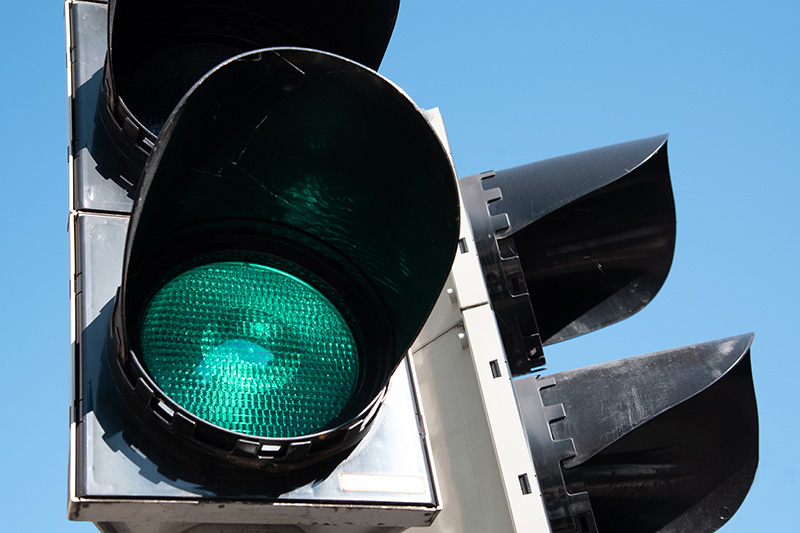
294	225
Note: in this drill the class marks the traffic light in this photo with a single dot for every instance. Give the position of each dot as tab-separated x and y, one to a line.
270	251
276	275
260	226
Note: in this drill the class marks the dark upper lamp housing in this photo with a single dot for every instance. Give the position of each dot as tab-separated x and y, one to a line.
157	50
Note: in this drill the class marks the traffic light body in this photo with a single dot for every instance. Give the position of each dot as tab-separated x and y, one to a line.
243	176
120	475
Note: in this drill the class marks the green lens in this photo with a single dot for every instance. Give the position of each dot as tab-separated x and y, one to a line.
250	348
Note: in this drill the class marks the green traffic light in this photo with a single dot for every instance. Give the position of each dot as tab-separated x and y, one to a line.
250	348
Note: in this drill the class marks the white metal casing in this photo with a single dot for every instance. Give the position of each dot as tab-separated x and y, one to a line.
484	467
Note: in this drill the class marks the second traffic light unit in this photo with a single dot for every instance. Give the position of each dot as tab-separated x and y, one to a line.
665	442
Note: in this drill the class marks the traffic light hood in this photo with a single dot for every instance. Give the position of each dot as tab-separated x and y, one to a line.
157	50
661	443
313	165
574	243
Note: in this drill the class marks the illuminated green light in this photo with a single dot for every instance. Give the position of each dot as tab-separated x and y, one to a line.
250	348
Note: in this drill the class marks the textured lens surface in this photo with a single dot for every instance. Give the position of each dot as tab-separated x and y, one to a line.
251	349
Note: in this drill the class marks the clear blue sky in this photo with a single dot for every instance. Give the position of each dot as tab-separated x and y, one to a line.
516	81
